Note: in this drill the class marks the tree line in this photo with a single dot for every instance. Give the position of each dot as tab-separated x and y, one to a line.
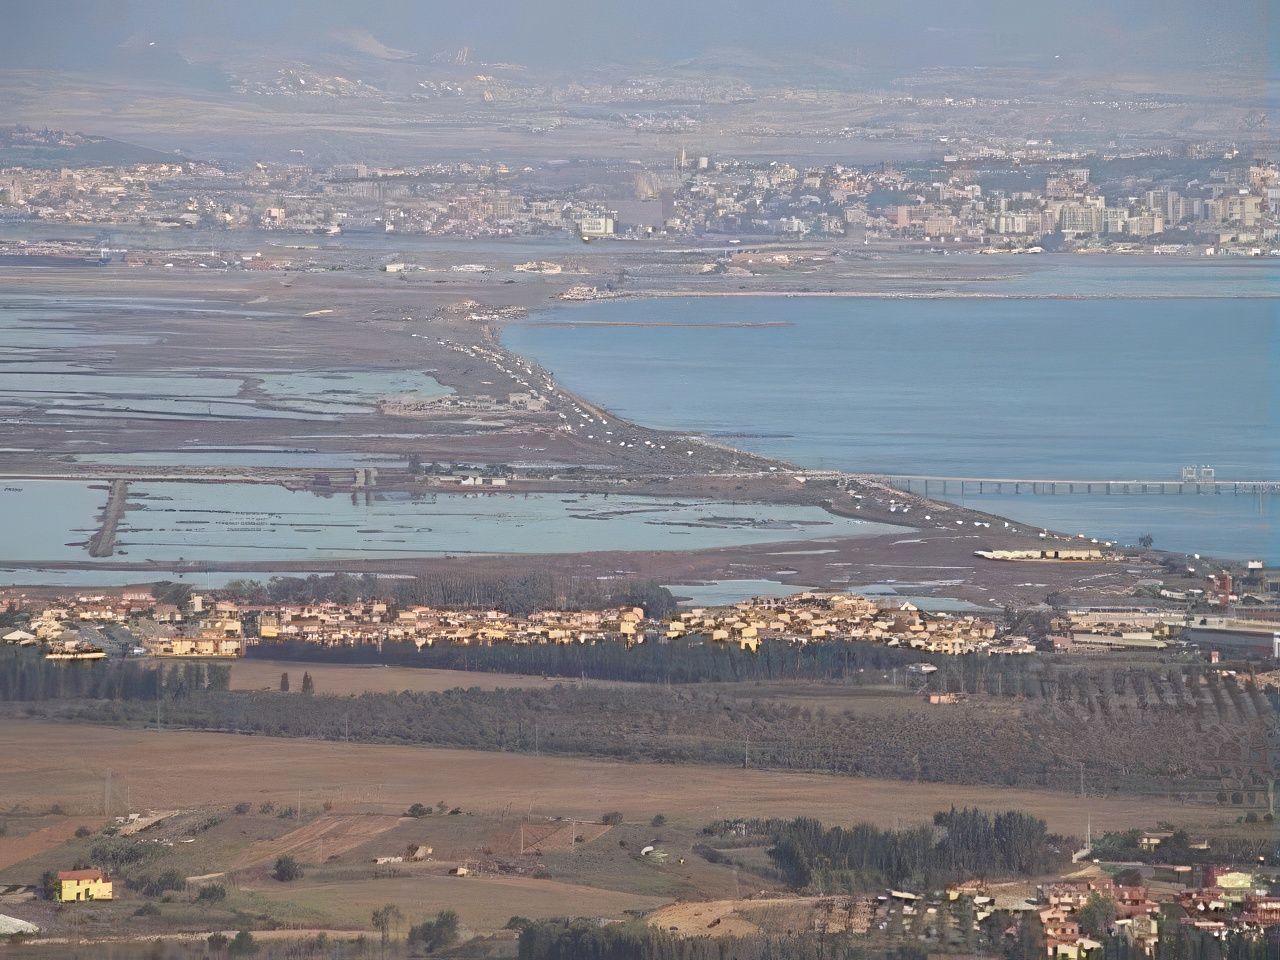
960	844
25	675
964	743
683	660
516	594
1104	692
589	940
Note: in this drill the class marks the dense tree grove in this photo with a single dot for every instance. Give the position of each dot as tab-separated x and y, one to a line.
587	940
514	594
1124	846
963	743
1104	692
679	661
26	675
962	843
1188	943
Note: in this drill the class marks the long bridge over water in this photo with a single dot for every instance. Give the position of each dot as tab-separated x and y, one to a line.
940	486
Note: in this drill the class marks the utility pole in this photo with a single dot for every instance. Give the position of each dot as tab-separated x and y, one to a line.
746	753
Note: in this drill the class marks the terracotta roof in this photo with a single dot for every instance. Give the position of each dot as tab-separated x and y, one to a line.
80	875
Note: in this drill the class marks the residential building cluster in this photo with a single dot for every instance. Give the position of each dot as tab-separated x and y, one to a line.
1222	903
814	617
133	624
208	627
987	199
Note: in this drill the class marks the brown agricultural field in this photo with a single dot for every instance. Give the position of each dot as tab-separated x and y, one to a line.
44	763
342	679
48	833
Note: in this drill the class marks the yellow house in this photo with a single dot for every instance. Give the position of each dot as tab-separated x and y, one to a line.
76	885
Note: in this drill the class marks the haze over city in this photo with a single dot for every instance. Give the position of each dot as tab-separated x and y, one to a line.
638	481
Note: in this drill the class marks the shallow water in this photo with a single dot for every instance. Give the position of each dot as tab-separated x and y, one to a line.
171	521
1046	389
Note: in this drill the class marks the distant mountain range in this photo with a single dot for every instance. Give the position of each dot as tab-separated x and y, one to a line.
391	43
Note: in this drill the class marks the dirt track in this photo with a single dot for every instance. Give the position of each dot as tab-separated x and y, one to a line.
318	840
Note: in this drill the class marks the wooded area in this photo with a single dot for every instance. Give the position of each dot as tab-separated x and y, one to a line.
27	676
515	594
961	844
1158	750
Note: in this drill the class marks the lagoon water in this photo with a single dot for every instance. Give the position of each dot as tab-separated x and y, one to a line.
229	522
1031	388
716	593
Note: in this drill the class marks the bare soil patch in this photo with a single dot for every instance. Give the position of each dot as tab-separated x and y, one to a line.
15	849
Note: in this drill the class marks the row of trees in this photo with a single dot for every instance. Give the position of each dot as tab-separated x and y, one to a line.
25	675
965	743
962	843
515	594
588	940
1104	692
679	661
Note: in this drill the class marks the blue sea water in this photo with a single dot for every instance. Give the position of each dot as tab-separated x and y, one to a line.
1032	388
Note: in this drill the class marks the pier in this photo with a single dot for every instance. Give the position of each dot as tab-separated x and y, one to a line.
940	486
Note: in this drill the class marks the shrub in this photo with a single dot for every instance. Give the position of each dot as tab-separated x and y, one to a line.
287	869
612	818
82	831
242	808
242	945
147	910
214	893
418	810
433	934
658	821
160	884
47	888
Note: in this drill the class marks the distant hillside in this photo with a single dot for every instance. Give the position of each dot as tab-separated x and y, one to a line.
22	147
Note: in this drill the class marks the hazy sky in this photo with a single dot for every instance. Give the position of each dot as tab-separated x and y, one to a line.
1105	35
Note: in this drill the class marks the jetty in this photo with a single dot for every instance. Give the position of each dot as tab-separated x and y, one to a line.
103	542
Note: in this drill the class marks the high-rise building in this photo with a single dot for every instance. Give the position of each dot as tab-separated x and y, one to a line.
1080	218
